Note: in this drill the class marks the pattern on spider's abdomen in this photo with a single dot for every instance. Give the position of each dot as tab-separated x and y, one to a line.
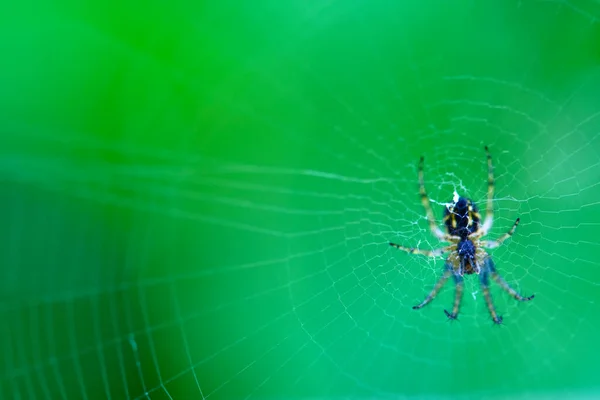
462	218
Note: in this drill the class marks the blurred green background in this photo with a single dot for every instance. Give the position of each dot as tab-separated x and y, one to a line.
197	197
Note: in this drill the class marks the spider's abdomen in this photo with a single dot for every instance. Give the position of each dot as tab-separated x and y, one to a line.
462	218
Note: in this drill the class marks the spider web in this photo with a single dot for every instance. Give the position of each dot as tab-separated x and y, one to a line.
157	244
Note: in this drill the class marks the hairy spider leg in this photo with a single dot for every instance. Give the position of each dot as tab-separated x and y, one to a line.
504	285
458	280
491	244
437	287
485	286
489	210
428	253
435	229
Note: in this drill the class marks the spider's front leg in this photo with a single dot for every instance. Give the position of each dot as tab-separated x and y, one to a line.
504	285
458	280
437	287
485	287
490	270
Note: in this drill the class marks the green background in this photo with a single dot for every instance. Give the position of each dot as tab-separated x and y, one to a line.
197	197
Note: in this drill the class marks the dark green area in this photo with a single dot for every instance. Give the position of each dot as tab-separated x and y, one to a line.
197	197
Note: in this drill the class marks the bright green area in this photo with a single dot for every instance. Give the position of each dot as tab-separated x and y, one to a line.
197	197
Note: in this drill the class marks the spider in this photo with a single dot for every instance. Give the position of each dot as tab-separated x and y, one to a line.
467	254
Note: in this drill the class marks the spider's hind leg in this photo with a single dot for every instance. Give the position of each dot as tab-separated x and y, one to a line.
489	209
435	229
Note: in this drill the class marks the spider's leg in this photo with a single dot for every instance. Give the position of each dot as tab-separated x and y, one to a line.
503	284
485	286
428	253
490	244
489	209
435	229
435	290
458	279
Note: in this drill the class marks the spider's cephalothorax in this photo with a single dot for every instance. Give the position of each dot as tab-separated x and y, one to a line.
466	251
467	257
